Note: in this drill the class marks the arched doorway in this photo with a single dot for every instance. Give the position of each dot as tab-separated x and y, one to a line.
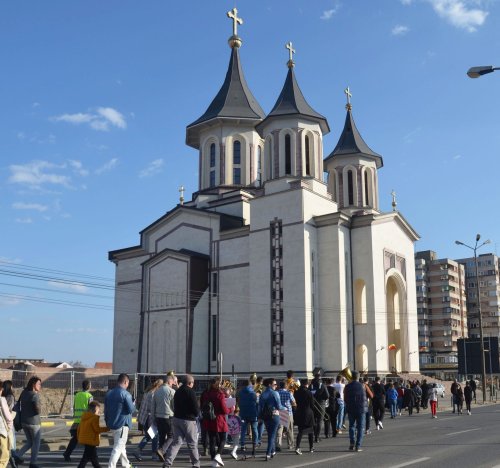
396	322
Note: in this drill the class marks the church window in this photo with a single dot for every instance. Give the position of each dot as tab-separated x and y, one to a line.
212	155
237	176
269	155
288	154
212	179
350	188
259	166
367	195
214	337
308	156
236	152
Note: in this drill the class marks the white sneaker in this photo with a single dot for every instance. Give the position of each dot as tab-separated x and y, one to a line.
218	459
380	424
378	427
234	452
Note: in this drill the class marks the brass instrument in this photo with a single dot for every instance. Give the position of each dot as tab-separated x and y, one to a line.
253	378
320	410
292	385
346	373
227	385
258	388
171	373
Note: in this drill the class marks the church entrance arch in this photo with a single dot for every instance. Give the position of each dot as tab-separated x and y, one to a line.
396	321
362	358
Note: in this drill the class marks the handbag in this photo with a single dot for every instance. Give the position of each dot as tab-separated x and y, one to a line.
17	419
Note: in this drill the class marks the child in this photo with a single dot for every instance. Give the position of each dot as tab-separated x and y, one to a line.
89	434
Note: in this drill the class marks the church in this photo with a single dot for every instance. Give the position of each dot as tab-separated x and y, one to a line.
281	260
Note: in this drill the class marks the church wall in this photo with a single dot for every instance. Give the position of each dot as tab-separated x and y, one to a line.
233	251
334	302
200	335
127	314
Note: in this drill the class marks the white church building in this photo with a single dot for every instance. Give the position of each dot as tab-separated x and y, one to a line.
267	263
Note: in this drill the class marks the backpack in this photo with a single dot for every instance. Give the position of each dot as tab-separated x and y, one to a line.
208	411
333	403
266	412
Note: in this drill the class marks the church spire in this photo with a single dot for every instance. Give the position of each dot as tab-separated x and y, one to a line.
291	101
351	141
234	101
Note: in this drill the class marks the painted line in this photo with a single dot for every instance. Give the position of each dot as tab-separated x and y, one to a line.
462	432
48	423
411	462
322	461
50	431
69	423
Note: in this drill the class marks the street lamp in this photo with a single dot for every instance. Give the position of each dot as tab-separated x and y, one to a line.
480	318
476	72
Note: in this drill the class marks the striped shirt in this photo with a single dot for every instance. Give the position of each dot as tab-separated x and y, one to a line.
286	399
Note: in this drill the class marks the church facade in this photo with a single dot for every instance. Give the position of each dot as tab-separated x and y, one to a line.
268	264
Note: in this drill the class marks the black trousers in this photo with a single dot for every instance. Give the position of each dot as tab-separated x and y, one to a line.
89	455
319	414
299	439
331	422
378	408
73	442
164	426
216	439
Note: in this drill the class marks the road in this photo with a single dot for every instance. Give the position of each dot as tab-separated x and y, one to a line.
448	441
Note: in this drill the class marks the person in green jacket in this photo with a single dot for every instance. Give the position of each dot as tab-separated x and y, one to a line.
81	404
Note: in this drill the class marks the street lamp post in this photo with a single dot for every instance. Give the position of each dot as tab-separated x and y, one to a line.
476	72
480	318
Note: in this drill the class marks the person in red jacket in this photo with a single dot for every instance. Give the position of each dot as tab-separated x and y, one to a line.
213	402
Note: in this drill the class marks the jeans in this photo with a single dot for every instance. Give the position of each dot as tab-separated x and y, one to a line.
260	431
356	428
164	426
183	430
272	428
33	436
393	405
119	451
146	439
340	415
253	426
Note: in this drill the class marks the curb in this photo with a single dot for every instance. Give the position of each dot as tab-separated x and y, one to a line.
51	445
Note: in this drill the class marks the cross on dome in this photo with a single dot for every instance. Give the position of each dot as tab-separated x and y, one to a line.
291	51
233	14
348	94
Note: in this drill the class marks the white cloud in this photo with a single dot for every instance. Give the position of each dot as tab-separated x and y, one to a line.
78	168
9	301
30	206
24	220
111	164
457	156
327	14
77	287
461	13
406	2
153	168
35	104
37	173
21	135
101	120
399	30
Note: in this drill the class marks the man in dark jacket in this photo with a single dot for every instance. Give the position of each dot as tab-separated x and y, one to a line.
320	393
378	403
425	393
247	402
356	408
184	426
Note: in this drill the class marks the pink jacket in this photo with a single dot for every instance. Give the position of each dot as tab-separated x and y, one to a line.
4	407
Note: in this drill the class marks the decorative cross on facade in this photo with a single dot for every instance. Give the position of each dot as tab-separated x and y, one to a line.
348	94
291	50
181	191
233	14
394	203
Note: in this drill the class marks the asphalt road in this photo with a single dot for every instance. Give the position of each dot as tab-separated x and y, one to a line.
448	441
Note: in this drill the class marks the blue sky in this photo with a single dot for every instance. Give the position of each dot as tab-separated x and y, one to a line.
95	98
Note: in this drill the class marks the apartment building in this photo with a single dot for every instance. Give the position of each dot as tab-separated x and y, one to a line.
489	289
441	312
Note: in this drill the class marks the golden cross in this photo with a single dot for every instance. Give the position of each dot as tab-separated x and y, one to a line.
291	50
233	14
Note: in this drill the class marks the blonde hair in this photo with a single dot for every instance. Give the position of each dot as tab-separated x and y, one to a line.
155	385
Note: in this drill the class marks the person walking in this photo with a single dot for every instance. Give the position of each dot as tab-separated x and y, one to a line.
433	400
30	407
162	413
418	395
247	402
184	423
80	405
118	409
473	386
356	408
214	402
392	399
468	397
6	424
320	393
369	398
89	434
339	386
288	401
8	394
378	403
409	400
145	419
304	415
269	407
460	398
453	391
425	393
331	410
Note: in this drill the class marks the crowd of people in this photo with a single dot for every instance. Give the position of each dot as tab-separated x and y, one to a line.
171	414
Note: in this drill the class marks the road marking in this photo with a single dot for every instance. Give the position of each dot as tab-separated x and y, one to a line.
48	423
411	462
323	460
461	432
51	431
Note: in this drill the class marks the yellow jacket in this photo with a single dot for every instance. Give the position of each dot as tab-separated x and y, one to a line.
89	430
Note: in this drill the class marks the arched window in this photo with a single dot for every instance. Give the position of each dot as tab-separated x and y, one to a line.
212	166
236	162
350	188
308	156
269	155
236	152
259	166
288	155
367	195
